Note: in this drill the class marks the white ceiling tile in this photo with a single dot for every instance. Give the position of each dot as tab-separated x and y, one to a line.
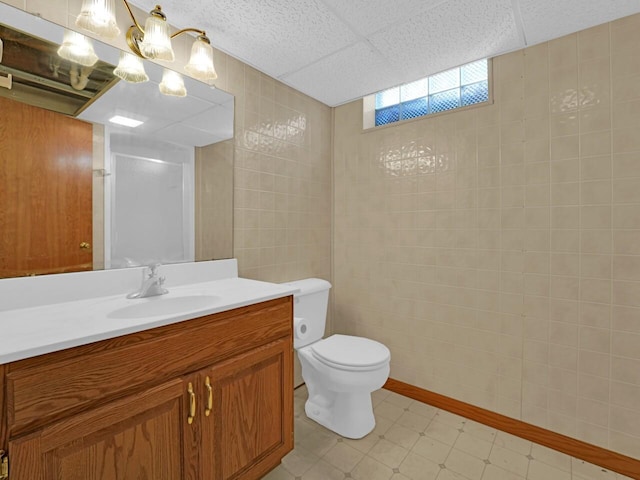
346	75
369	16
454	33
547	19
277	36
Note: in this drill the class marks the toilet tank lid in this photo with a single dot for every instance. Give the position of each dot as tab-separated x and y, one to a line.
309	286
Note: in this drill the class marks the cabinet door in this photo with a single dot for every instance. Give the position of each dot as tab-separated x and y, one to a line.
250	427
140	437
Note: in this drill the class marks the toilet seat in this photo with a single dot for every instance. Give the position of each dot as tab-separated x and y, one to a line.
346	352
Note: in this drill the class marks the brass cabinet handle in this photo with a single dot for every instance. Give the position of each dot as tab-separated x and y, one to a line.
207	411
85	245
192	404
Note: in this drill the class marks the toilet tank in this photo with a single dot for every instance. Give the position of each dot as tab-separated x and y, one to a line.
311	305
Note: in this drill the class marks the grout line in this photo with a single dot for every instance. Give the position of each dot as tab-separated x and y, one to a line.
611	253
580	233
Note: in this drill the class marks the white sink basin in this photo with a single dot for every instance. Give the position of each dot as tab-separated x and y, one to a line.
152	306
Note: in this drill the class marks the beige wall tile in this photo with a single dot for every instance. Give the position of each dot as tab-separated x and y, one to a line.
563	89
625	370
594	363
626	165
625	395
16	3
626	217
594	42
626	344
563	51
594	87
595	143
626	318
596	315
624	32
626	293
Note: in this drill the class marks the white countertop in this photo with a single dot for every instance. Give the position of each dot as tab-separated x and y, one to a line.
27	332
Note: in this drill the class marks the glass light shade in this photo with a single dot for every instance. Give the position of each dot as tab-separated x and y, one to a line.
172	84
130	69
98	16
200	64
156	43
78	49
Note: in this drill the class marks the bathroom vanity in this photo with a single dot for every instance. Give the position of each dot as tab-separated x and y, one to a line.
207	396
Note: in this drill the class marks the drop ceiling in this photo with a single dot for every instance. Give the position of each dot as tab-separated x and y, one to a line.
340	50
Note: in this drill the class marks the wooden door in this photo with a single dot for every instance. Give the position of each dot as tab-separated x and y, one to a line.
250	427
45	191
143	437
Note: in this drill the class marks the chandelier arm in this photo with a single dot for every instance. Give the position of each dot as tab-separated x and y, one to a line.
135	22
185	30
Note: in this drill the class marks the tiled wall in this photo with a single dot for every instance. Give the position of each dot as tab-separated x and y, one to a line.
282	195
496	251
282	184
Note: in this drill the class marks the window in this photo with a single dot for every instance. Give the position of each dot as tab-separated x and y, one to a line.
455	88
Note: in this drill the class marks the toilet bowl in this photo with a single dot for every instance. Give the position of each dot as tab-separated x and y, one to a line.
340	371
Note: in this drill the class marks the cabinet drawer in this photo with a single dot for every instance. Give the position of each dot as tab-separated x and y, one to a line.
52	386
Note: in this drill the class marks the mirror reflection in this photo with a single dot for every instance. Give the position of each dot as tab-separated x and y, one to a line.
101	173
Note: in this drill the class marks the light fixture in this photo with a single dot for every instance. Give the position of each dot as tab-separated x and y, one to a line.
99	16
156	43
130	69
126	121
78	49
172	84
200	64
153	41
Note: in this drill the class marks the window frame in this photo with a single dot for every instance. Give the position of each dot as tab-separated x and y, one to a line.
369	104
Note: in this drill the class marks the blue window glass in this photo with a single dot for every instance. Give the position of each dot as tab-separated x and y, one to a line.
414	108
476	93
458	87
445	100
387	115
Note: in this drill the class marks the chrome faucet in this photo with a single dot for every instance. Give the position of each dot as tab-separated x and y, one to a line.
151	283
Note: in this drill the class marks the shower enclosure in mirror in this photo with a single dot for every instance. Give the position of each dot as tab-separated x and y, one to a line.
96	172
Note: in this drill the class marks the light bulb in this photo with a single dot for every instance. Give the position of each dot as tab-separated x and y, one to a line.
78	49
172	84
200	64
98	16
130	69
156	43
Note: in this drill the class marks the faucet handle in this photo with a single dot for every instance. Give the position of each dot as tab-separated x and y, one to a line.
153	269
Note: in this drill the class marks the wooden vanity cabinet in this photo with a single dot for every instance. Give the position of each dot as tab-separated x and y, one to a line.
246	433
205	399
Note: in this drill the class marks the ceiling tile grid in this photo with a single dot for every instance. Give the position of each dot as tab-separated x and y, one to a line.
341	50
369	16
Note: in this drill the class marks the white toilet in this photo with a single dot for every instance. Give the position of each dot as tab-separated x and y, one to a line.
340	371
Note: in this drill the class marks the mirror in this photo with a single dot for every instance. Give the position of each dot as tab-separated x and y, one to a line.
79	192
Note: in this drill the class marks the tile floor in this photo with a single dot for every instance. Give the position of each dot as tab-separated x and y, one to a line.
415	441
